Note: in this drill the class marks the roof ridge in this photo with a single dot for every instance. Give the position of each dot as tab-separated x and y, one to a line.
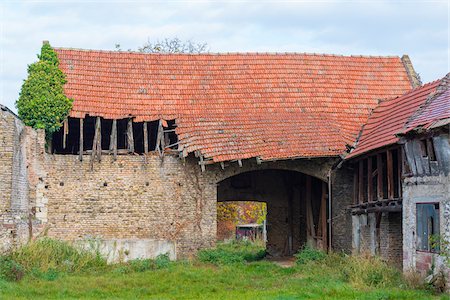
274	53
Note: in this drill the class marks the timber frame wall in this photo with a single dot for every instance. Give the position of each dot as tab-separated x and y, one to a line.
95	136
377	181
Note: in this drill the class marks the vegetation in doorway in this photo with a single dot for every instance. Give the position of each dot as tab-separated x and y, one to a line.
42	103
232	213
233	252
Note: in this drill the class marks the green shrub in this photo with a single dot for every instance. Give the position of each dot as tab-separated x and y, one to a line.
10	270
162	261
42	102
233	252
141	265
308	254
48	254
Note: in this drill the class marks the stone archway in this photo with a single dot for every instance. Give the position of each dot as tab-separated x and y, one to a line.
296	206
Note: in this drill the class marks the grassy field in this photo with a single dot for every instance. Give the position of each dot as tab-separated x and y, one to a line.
229	272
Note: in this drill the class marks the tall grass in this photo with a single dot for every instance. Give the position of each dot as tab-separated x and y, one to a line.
233	252
361	271
45	254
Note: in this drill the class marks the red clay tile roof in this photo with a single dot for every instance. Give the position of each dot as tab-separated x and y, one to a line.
237	106
435	112
389	118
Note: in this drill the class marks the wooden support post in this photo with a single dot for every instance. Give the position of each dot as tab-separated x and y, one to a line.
113	139
99	139
369	179
290	191
310	231
399	171
145	138
160	140
323	214
81	149
65	132
202	163
240	163
95	142
390	174
361	181
379	176
130	137
355	187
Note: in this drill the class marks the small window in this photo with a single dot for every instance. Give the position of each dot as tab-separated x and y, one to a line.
427	217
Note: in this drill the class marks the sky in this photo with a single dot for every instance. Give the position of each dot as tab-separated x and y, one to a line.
417	28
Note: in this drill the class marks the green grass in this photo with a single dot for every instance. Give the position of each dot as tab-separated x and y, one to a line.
216	277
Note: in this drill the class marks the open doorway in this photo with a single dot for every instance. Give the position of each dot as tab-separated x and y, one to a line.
296	206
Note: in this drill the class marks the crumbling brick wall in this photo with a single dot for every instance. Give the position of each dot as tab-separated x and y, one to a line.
14	187
142	205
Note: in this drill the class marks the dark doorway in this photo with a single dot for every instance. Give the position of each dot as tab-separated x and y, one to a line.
296	206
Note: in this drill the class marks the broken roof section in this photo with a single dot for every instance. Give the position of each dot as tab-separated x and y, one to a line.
237	106
435	112
423	106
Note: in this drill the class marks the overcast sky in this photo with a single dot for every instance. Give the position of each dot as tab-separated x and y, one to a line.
417	28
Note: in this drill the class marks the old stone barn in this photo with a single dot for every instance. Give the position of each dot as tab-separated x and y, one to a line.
154	141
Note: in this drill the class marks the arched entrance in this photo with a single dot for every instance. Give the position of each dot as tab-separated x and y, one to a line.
297	208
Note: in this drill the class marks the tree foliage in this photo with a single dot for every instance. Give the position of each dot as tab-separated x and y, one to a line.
42	103
174	45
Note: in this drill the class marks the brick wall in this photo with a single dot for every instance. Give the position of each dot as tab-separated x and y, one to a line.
391	238
142	205
14	186
342	197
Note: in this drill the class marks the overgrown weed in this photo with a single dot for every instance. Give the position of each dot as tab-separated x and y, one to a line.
233	252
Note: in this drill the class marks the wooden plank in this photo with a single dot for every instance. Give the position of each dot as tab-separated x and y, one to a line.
399	171
130	137
99	139
390	174
145	138
65	132
95	141
80	151
380	176
410	159
355	187
113	140
310	231
417	152
369	179
323	213
361	181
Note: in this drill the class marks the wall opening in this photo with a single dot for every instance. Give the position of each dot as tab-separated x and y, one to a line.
297	210
67	139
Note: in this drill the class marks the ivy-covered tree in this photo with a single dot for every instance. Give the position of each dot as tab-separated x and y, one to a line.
42	103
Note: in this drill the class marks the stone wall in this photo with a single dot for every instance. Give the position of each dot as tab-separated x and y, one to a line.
429	182
427	189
